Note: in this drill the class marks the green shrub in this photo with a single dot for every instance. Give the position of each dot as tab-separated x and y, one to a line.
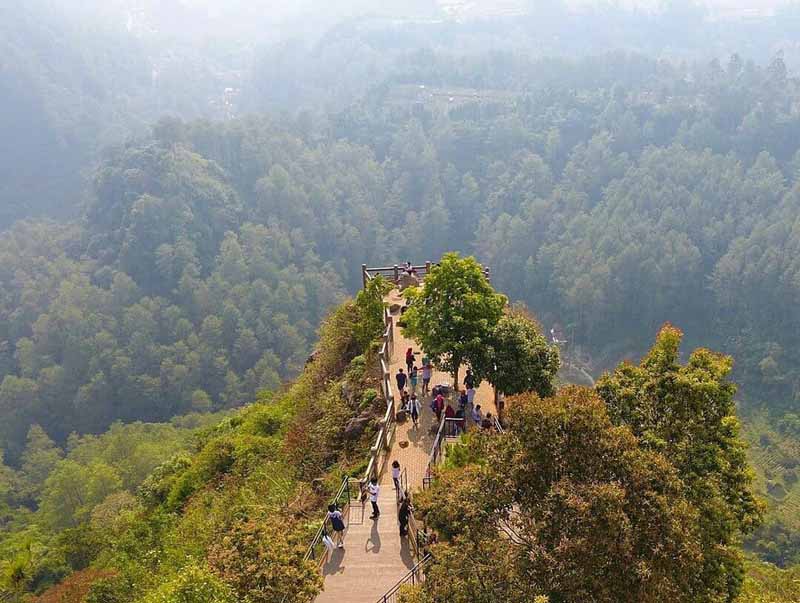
368	398
216	458
193	584
157	485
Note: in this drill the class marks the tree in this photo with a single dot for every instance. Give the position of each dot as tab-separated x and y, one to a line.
370	306
72	491
687	413
519	358
567	505
40	457
454	313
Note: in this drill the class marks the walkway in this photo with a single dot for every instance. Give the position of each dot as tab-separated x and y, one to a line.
375	558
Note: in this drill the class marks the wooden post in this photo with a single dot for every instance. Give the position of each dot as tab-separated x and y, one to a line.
396	274
427	268
364	275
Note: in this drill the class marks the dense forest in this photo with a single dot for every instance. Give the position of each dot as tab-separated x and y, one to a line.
611	192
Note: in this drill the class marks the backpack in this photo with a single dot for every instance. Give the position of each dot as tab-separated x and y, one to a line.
337	523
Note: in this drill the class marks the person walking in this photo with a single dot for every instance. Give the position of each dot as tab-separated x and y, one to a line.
409	359
469	384
396	476
427	373
404	514
337	522
412	379
374	489
400	377
416	409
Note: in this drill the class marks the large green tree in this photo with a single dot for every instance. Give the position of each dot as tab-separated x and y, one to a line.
519	359
453	313
563	504
686	412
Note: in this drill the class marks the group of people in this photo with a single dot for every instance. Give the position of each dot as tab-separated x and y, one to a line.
439	404
407	384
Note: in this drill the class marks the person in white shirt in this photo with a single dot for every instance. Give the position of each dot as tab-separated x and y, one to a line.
416	409
374	489
427	372
396	476
477	415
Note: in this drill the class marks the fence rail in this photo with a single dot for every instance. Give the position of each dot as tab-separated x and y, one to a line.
353	488
345	494
393	273
416	575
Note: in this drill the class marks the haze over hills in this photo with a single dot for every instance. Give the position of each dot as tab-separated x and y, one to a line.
188	191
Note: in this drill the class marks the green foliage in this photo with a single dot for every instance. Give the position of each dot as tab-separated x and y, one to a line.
454	313
39	458
71	492
687	413
767	584
578	502
215	459
519	358
370	305
193	584
256	560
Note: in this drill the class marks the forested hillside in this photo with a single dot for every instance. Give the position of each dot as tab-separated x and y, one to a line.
211	507
608	203
610	192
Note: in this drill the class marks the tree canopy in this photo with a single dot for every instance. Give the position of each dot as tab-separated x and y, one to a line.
565	504
453	313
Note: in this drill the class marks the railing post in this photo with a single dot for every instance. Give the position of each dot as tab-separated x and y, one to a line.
427	268
364	275
396	274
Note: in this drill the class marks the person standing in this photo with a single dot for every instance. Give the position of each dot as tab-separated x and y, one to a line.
409	359
477	415
438	407
463	400
403	515
400	377
469	384
337	522
396	476
374	489
416	409
412	379
427	372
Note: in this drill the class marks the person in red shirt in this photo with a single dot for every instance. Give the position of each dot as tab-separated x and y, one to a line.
438	407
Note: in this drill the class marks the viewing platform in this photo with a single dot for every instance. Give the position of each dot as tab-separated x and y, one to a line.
375	557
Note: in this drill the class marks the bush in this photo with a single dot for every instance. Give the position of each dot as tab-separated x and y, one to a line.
216	458
156	487
193	584
262	567
368	398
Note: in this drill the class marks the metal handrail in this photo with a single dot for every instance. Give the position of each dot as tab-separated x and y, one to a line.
435	455
414	576
345	487
497	425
